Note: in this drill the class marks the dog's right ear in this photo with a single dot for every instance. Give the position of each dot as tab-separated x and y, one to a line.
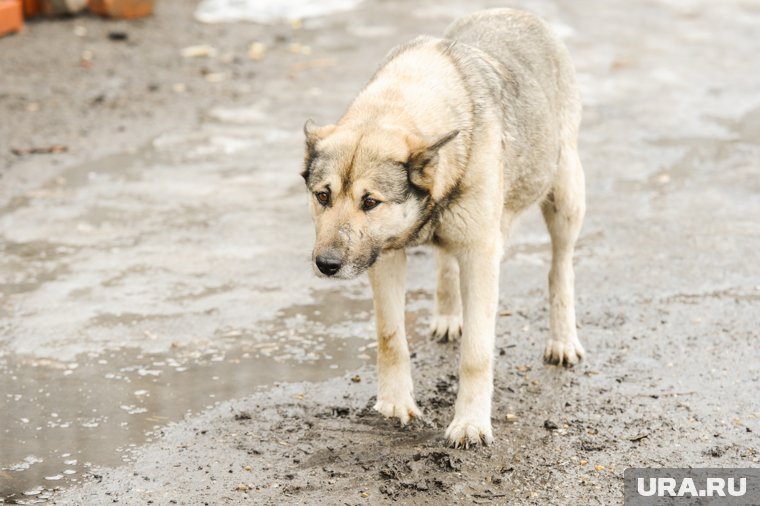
316	133
313	134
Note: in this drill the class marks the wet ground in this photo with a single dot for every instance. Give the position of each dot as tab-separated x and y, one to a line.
162	337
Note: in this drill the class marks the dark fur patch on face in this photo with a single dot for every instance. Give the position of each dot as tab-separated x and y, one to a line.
311	155
391	180
318	165
349	171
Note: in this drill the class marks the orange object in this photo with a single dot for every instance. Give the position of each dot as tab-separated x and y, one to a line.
126	9
11	16
32	8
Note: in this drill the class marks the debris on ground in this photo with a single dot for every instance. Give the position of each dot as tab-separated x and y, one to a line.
40	150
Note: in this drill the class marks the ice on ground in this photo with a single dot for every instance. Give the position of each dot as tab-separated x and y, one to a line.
266	11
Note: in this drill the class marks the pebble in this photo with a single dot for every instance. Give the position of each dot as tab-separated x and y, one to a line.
199	51
256	51
297	48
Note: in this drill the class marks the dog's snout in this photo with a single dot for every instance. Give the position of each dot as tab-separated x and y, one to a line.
328	263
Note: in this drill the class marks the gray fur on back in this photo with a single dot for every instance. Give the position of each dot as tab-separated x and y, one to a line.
514	57
525	46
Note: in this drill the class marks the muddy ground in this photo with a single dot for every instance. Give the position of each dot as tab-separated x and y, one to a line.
162	337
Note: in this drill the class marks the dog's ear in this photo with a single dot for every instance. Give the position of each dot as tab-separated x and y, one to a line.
316	133
313	135
422	156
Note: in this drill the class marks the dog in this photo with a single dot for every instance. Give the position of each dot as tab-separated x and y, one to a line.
451	139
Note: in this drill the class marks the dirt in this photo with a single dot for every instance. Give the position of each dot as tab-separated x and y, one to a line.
152	213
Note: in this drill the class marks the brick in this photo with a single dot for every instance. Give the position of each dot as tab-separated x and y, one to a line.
11	16
125	9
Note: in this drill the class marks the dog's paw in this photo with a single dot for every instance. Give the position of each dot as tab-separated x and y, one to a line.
404	410
566	352
469	432
446	328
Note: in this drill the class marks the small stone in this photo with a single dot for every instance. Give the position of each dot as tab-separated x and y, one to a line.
511	418
549	425
117	35
243	488
583	462
599	467
256	51
356	379
215	77
199	51
297	48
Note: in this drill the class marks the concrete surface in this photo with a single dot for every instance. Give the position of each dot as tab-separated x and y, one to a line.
162	337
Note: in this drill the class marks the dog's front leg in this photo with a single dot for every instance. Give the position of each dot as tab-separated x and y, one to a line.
479	279
394	396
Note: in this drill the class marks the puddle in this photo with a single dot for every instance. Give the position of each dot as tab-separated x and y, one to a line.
59	420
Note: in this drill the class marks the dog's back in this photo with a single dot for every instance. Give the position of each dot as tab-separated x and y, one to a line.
520	39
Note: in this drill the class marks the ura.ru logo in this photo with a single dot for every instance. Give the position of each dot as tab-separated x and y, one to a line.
714	487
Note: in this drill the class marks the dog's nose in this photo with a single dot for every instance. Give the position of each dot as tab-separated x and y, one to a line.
328	263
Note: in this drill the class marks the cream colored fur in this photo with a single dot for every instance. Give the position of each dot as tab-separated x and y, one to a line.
454	138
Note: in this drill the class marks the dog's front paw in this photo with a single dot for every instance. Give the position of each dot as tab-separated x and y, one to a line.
464	431
567	352
446	327
405	409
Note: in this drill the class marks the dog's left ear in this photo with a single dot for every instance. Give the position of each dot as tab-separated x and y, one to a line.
422	156
313	135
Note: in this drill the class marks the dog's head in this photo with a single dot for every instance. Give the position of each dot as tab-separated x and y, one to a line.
371	189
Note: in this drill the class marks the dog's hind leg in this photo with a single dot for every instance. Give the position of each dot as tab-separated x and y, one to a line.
447	321
395	391
563	211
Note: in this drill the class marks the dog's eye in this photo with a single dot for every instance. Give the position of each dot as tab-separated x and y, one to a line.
323	198
369	203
